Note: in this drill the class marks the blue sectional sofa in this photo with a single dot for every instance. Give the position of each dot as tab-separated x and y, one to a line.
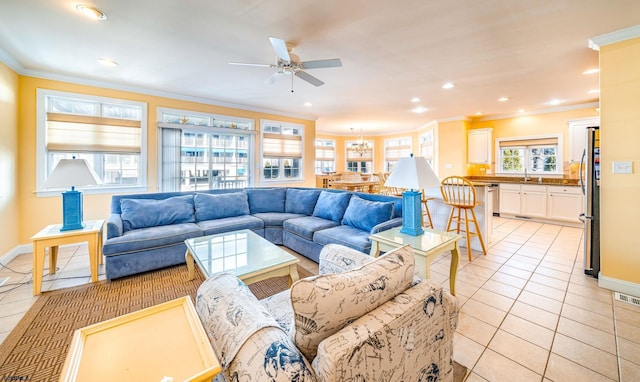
147	231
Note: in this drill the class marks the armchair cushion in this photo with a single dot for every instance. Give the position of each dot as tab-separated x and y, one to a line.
366	214
218	206
331	205
324	304
144	213
266	199
301	201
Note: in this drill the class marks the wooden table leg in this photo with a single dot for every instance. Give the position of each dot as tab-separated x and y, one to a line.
375	249
53	259
453	271
92	243
293	274
38	266
100	243
190	264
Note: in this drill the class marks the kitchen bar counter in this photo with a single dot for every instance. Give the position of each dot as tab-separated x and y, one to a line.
520	180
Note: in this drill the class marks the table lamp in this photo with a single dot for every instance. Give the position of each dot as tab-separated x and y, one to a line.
412	173
71	173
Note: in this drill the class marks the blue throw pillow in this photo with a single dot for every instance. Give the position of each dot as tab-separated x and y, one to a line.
218	206
266	199
331	205
301	201
366	214
144	213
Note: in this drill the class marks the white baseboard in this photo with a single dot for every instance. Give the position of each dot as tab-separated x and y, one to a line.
12	254
617	285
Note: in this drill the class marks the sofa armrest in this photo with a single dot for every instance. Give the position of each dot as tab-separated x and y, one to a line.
114	226
409	338
337	258
396	222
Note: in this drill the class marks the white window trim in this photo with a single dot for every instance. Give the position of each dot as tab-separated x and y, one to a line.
560	157
41	152
167	110
260	179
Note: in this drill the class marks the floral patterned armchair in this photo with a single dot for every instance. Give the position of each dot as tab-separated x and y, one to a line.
362	319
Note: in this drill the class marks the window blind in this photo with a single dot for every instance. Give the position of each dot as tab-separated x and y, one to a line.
67	132
394	153
282	146
325	153
529	142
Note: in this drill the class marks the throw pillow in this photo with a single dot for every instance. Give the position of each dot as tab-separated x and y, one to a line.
324	304
266	199
218	206
144	213
301	201
366	214
331	205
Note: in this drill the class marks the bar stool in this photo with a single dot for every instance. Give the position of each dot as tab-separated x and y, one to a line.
460	194
428	223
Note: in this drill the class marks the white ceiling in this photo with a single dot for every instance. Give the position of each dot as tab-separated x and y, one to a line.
392	51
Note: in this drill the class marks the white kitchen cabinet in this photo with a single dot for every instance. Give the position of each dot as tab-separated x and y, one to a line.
479	144
533	201
509	199
564	203
578	135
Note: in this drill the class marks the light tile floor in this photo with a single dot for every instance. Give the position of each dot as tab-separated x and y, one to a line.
527	310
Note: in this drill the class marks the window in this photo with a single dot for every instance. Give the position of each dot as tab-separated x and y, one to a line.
359	161
281	151
426	147
394	149
325	156
200	151
536	155
109	133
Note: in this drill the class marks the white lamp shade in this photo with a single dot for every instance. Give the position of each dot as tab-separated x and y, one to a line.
413	173
71	173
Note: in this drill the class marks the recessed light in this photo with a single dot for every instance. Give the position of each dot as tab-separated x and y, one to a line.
415	99
591	71
555	101
307	104
521	110
108	62
594	91
419	109
479	113
503	99
91	12
448	85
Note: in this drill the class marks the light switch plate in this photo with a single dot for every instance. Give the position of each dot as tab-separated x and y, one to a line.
622	167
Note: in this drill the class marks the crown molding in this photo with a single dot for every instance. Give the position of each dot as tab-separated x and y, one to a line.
542	111
613	37
11	62
453	119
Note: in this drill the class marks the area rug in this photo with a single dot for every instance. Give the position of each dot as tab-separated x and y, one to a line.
37	347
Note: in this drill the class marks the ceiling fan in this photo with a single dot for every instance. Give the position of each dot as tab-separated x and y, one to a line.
289	63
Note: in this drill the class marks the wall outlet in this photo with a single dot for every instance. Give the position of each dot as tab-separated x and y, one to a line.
623	167
448	165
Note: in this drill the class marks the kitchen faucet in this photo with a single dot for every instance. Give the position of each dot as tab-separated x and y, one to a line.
526	177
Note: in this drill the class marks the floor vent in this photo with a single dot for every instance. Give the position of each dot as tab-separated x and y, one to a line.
3	280
628	299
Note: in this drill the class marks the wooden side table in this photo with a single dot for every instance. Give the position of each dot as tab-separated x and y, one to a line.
164	340
52	237
426	247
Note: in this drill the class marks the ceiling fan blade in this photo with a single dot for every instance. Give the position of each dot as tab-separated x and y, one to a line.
280	46
309	78
250	64
331	63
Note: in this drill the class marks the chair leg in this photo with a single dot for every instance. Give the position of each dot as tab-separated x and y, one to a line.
428	215
450	219
475	221
466	227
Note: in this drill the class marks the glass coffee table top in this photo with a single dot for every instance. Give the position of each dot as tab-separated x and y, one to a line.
243	253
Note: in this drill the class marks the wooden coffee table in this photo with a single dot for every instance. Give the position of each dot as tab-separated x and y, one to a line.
243	253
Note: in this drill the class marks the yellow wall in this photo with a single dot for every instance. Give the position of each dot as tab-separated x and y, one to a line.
40	211
9	188
620	141
452	148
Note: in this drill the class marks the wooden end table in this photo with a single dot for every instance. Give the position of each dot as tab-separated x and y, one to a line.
52	237
426	247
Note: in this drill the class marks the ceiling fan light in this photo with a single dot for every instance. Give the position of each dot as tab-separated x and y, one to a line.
91	12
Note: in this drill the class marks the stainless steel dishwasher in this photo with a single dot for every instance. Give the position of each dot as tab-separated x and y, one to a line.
495	191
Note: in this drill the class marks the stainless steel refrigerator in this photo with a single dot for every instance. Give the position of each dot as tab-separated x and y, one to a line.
590	183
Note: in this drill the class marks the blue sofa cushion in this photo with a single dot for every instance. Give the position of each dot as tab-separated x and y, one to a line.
218	206
365	214
346	235
266	199
144	213
235	223
331	205
149	238
275	219
301	201
306	226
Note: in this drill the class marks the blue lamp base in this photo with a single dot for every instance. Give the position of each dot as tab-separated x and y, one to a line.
412	213
71	210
